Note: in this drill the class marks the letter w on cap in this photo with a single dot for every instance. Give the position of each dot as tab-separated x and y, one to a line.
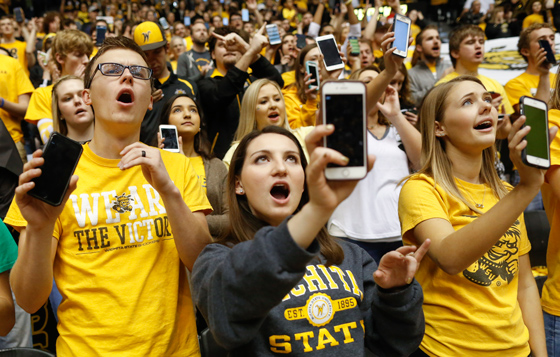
146	35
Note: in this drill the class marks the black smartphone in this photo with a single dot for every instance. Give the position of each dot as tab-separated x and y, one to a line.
537	151
301	43
61	156
18	12
100	33
354	44
549	54
311	68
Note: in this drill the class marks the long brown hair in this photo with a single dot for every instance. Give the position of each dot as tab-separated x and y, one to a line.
244	224
434	160
299	68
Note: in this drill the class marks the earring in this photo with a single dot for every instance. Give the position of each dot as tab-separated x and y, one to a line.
241	191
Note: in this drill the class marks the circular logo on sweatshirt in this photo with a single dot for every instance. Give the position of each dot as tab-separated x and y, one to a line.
319	309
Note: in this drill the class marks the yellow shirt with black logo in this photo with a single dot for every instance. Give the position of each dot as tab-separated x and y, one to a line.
551	291
475	312
491	85
525	85
17	51
14	83
125	288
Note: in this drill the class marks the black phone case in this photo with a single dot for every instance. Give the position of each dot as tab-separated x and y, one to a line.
55	136
549	55
524	151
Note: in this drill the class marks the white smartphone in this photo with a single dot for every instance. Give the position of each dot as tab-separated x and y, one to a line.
187	20
344	105
329	50
225	21
170	138
311	68
537	151
402	33
245	15
273	34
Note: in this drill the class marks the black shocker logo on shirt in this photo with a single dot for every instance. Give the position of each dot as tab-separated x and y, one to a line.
122	203
499	265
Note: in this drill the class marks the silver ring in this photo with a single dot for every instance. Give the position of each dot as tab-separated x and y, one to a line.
143	153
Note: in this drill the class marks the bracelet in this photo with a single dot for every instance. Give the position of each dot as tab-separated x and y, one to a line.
2	105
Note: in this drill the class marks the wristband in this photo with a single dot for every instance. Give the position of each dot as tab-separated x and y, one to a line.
2	103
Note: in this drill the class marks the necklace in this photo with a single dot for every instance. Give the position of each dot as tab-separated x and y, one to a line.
478	205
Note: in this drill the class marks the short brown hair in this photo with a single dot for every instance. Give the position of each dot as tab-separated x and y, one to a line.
420	36
112	43
524	41
457	35
67	41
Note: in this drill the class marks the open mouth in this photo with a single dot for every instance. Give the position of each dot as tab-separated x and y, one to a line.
274	116
484	125
126	96
280	191
80	111
478	54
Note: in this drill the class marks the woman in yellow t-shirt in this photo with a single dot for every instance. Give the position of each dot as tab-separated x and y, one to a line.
184	112
477	277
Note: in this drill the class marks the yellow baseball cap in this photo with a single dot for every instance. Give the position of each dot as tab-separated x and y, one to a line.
149	36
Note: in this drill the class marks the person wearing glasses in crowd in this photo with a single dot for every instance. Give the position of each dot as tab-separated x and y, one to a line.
118	247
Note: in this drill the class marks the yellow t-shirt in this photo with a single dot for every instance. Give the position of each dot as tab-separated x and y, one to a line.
491	85
198	166
475	312
414	31
40	105
525	85
17	50
289	78
14	83
532	19
125	290
188	43
299	114
288	14
551	291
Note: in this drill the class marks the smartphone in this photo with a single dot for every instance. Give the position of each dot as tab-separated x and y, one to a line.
244	15
61	156
187	20
225	21
402	33
344	105
300	42
354	44
537	152
549	54
311	67
18	12
273	34
329	50
42	56
170	138
100	31
163	23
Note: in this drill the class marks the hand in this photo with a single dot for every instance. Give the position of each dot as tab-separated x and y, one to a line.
311	93
530	176
332	74
161	145
205	69
355	62
233	42
391	107
394	4
259	40
497	103
411	117
36	212
392	62
378	3
397	268
157	95
325	195
285	59
251	5
343	9
152	165
543	67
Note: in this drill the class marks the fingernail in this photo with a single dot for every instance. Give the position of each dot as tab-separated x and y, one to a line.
345	159
330	126
409	280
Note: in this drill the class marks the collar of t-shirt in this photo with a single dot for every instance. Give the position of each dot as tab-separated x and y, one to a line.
164	79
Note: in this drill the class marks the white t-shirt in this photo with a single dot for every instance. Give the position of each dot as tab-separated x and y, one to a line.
370	213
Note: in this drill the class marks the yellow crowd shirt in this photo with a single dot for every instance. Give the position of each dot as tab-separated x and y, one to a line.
525	85
40	105
198	166
289	78
491	85
551	290
532	19
299	114
475	312
14	83
124	288
17	51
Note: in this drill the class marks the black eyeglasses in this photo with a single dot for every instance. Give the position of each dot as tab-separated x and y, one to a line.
117	69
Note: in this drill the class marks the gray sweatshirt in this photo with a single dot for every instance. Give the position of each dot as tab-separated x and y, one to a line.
268	296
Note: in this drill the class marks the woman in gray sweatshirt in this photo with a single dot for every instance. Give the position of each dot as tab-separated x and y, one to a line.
279	284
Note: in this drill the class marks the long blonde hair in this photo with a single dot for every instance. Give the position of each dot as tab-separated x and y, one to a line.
247	117
434	160
58	124
555	96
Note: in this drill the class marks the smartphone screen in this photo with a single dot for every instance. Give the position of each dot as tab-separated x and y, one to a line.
169	139
330	52
401	36
225	21
312	69
354	46
19	14
273	34
301	43
61	156
537	142
163	23
244	15
549	54
100	32
345	112
187	21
